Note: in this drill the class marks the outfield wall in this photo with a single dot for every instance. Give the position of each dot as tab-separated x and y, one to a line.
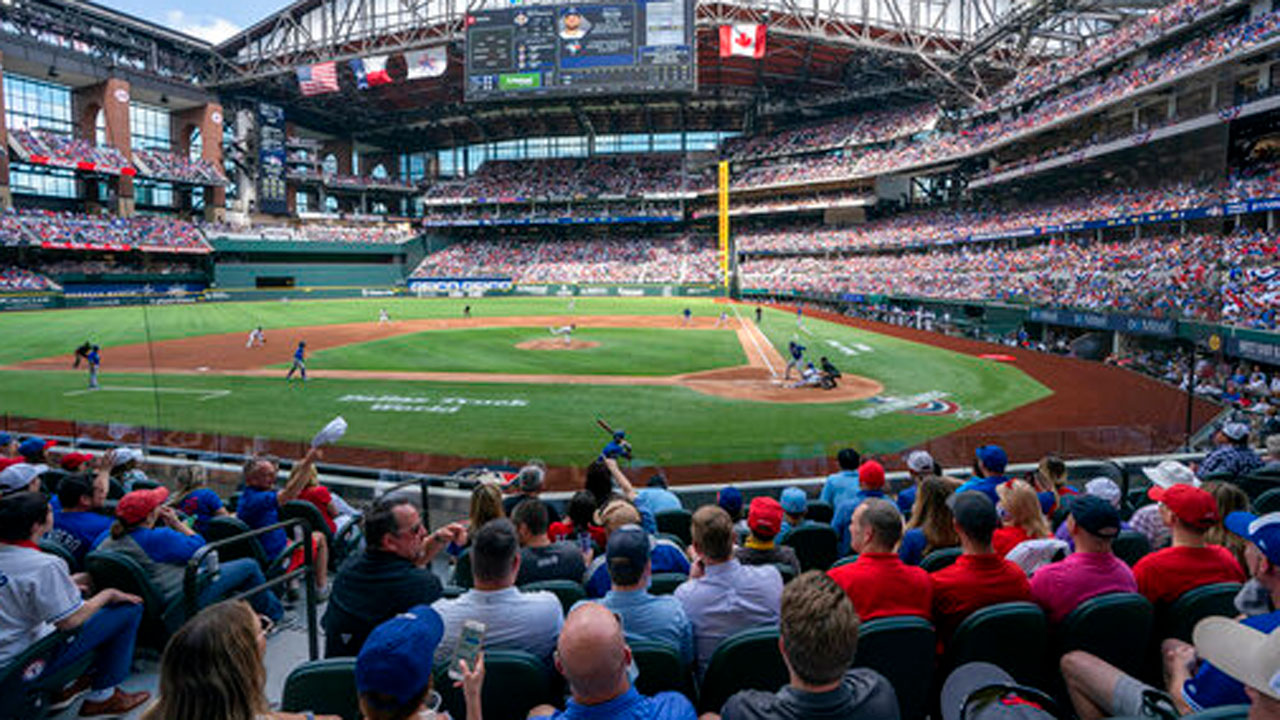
307	275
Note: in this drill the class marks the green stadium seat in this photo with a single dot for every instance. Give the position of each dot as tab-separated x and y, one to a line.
660	669
462	571
230	526
820	511
325	687
341	544
1013	636
53	547
674	539
787	572
23	700
747	660
677	522
525	683
666	583
1115	627
1180	618
844	561
1256	483
902	650
567	591
161	616
1267	502
816	546
1131	546
941	558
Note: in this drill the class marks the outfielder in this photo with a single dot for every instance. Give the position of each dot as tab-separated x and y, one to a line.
299	362
797	357
94	361
565	331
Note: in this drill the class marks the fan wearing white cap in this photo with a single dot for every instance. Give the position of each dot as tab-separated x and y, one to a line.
1232	455
1146	519
1247	655
920	465
126	470
21	477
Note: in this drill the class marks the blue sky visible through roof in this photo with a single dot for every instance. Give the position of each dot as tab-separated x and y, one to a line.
213	22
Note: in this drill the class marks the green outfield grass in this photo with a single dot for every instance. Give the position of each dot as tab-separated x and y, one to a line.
668	425
622	351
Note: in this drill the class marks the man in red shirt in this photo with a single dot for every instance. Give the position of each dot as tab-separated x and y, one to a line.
1164	575
878	583
979	577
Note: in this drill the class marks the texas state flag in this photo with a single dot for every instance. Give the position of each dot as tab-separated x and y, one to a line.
743	40
370	71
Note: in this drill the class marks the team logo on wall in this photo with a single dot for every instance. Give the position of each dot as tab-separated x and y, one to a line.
122	96
215	117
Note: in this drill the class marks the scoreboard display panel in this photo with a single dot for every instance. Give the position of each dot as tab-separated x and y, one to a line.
644	46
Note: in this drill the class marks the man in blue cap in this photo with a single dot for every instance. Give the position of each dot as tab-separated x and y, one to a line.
1099	690
393	669
989	465
33	450
795	504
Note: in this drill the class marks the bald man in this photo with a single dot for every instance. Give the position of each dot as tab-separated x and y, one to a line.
593	656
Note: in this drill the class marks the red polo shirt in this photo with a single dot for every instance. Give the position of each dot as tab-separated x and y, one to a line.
1007	538
1164	575
880	585
974	582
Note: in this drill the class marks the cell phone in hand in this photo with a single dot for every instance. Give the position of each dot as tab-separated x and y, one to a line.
470	643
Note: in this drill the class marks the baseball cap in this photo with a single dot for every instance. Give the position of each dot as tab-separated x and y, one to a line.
1242	652
33	446
5	438
1170	473
1262	531
1193	506
794	501
16	477
530	478
1095	516
627	553
974	512
765	517
71	462
993	458
871	475
920	461
134	507
982	691
1105	488
396	658
730	499
124	455
1235	430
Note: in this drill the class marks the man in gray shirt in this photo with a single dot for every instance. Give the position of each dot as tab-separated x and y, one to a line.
819	638
513	620
541	559
723	596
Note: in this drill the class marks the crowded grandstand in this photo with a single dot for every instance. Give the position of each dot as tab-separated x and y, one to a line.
1048	185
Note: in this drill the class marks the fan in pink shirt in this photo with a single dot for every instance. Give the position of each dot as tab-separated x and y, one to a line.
1092	569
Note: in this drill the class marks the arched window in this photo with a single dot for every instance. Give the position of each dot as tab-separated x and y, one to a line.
330	164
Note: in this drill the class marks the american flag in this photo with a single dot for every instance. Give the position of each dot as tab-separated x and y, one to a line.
318	79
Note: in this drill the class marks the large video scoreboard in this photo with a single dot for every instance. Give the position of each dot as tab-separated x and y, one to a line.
643	46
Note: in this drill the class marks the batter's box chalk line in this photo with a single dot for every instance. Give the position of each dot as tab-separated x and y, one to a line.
204	394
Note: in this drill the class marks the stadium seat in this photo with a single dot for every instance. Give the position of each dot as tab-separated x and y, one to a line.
341	544
145	484
677	522
786	571
902	650
820	511
229	526
567	591
666	583
462	571
660	668
1012	635
844	561
939	559
1227	477
1256	483
325	687
1131	546
160	618
674	539
1115	627
526	682
1180	618
747	660
1267	502
21	700
1226	712
53	547
815	546
452	592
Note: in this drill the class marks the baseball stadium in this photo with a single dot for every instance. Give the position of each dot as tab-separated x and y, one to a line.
882	359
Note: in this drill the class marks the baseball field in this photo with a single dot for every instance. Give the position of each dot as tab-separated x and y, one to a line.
499	384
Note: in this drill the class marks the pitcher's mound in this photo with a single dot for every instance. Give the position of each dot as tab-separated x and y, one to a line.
556	344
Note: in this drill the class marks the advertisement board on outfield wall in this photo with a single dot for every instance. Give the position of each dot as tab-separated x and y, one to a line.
30	302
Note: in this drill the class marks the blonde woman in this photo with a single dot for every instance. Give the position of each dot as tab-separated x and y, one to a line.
1019	510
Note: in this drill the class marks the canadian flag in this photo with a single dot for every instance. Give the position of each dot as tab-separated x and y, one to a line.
742	39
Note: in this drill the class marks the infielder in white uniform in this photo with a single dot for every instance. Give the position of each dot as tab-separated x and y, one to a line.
383	317
565	331
256	338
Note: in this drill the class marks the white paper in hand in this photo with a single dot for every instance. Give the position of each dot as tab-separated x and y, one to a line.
331	433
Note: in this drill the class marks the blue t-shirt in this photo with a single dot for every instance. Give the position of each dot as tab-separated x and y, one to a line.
987	485
844	515
1211	687
906	499
163	545
260	508
657	499
911	549
631	705
838	485
77	531
203	505
299	353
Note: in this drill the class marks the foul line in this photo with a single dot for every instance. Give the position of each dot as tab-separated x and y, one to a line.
205	394
751	333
